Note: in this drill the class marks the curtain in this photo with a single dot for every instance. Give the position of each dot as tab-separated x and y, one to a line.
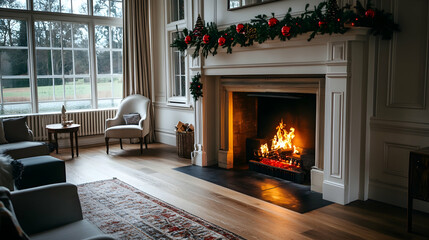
136	53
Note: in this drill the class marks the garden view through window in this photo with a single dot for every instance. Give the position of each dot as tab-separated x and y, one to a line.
77	58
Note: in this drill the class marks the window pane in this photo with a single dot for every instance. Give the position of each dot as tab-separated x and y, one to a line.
80	6
16	90
14	61
47	5
117	87
102	37
15	4
58	68
13	32
67	37
43	38
103	62
173	10
69	88
76	105
45	89
101	8
81	62
108	103
181	10
43	60
68	62
117	37
116	9
104	87
56	34
183	82
66	6
83	88
50	106
59	89
182	64
80	35
16	109
177	86
117	61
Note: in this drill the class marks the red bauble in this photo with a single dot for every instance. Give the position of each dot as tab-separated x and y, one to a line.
370	13
206	39
188	39
272	22
322	23
221	41
239	28
286	31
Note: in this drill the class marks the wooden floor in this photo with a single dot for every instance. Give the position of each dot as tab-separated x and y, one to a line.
249	217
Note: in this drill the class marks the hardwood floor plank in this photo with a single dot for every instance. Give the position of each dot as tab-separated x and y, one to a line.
252	218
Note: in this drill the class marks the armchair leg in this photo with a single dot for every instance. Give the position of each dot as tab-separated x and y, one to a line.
120	142
141	145
145	142
107	145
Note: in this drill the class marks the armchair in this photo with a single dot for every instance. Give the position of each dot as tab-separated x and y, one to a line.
117	128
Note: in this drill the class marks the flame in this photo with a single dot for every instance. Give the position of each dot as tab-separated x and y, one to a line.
283	140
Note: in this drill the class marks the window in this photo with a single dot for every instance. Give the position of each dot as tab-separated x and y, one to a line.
178	77
63	69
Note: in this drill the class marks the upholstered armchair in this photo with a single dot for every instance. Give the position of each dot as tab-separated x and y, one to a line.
131	121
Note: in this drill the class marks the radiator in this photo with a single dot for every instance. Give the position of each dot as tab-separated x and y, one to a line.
91	122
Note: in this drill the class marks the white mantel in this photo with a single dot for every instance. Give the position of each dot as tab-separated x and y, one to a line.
341	60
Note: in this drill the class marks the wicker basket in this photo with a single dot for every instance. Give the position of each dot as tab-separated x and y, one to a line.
184	143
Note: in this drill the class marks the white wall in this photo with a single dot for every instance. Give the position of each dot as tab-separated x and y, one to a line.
397	104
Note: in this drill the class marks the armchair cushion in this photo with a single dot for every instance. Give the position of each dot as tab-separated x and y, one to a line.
16	129
124	131
132	118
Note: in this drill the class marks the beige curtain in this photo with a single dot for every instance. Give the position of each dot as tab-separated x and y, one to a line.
136	51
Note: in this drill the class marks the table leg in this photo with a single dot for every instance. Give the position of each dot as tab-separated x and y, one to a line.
71	144
77	145
56	142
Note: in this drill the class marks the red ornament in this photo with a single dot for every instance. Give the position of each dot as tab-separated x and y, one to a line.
272	22
322	23
286	31
188	39
239	28
370	13
221	41
206	39
338	20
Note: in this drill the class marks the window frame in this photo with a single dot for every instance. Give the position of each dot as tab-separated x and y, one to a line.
170	28
31	16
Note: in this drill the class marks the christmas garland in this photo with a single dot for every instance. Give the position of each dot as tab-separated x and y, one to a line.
326	18
196	87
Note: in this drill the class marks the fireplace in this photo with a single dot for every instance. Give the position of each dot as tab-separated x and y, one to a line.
330	69
274	133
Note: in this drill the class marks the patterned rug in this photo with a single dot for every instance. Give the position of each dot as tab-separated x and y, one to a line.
128	213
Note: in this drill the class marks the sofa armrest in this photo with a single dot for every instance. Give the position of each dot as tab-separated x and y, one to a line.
46	207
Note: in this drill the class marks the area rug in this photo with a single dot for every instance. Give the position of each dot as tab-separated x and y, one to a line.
125	212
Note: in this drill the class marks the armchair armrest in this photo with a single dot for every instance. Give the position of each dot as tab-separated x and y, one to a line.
42	208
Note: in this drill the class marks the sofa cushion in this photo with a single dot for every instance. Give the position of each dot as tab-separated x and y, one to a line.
2	138
9	226
41	170
24	149
16	129
77	230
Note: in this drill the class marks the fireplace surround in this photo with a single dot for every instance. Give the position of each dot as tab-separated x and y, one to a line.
331	67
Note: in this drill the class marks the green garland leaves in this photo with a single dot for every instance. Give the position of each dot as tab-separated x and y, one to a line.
196	87
325	18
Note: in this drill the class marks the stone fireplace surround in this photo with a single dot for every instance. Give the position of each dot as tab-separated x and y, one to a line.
332	67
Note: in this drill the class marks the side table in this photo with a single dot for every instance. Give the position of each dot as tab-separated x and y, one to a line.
59	128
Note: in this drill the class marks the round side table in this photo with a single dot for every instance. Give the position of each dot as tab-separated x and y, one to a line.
59	128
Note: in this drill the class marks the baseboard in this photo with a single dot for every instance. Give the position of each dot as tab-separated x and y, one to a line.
334	192
165	137
394	195
316	176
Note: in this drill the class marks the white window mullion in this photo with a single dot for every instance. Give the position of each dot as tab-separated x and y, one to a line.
93	65
31	44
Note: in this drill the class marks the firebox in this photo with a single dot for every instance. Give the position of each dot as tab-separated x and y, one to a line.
274	133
